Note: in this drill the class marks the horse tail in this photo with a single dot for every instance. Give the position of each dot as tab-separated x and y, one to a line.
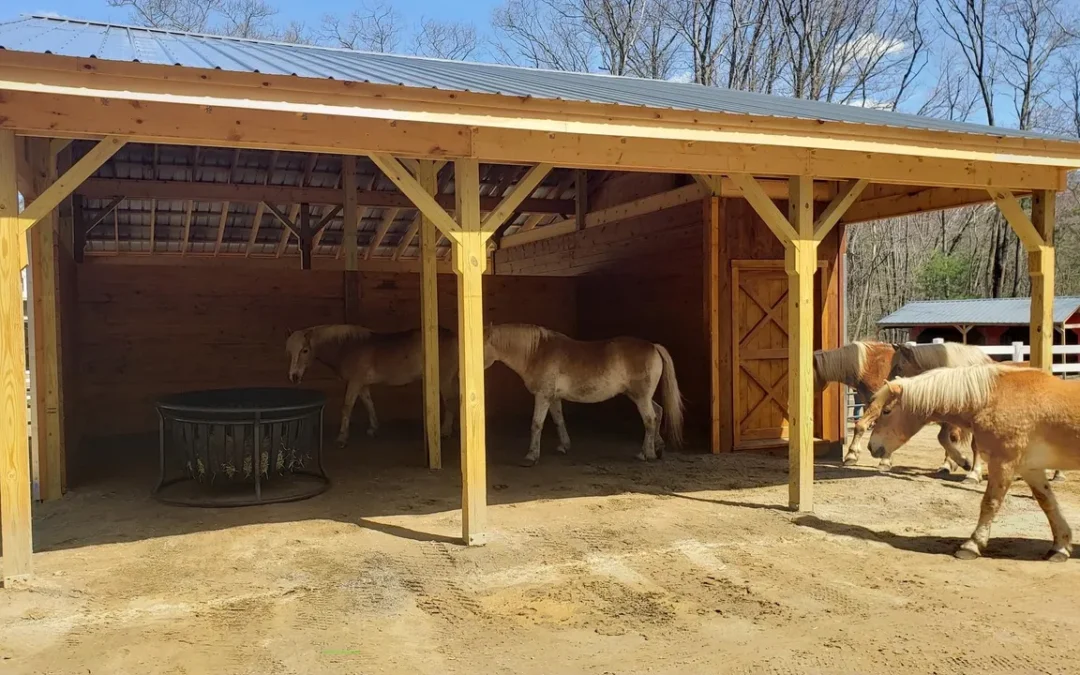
672	399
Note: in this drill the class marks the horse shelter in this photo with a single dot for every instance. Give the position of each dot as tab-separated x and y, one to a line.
188	199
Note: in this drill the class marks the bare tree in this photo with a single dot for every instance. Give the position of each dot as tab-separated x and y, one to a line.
374	27
535	33
655	53
954	96
1031	36
235	18
705	32
445	40
965	23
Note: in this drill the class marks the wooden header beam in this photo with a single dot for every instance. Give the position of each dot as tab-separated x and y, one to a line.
85	113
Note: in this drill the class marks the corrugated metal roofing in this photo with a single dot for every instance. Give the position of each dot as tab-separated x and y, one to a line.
983	312
71	37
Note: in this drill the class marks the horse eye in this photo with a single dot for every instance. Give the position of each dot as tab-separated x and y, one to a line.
886	411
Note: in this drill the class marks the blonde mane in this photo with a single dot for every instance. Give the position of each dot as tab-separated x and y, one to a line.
844	364
327	333
944	391
946	355
518	338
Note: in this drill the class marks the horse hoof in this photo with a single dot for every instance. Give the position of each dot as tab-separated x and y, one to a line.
851	460
562	449
1057	555
372	433
1058	477
640	457
967	552
943	471
341	442
971	480
529	462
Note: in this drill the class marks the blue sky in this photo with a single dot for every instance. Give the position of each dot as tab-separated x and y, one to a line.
477	12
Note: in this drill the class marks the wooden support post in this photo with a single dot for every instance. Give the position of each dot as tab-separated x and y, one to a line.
470	260
711	220
429	320
800	264
15	523
1041	269
581	200
349	222
78	222
352	296
305	237
43	277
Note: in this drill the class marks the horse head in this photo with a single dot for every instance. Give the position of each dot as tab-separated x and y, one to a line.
300	350
893	424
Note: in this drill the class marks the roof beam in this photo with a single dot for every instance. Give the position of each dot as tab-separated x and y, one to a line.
838	207
764	206
380	232
105	188
256	222
187	228
221	226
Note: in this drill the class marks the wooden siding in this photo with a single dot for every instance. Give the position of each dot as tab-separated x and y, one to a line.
146	331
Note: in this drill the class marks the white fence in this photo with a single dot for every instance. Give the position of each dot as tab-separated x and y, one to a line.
1018	351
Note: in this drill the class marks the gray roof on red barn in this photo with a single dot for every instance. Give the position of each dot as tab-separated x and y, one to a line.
113	42
979	312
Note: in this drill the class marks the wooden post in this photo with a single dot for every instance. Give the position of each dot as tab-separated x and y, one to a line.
15	523
800	264
427	176
78	223
1041	269
43	278
581	201
470	260
711	220
350	221
305	236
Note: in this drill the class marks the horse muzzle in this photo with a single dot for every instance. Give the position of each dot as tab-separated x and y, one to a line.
877	451
295	378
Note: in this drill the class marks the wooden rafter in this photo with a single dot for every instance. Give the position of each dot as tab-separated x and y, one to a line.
260	209
187	228
221	226
294	210
380	232
525	187
838	207
400	176
153	223
766	209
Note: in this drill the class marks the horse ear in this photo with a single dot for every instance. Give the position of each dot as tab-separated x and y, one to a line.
895	388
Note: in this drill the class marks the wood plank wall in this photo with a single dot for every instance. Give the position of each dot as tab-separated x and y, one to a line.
148	331
656	295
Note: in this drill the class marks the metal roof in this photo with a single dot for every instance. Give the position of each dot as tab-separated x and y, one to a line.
982	312
88	39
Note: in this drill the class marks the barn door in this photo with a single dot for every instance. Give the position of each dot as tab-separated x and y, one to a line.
760	345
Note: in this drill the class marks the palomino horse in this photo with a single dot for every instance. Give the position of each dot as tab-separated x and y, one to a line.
863	366
363	358
911	360
1024	421
555	367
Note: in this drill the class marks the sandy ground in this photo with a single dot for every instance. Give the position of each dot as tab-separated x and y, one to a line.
596	564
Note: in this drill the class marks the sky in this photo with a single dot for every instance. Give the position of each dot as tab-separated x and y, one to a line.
310	12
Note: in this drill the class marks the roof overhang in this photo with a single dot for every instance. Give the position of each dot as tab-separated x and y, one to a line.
59	96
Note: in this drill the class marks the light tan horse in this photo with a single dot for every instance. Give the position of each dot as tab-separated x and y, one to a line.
555	367
863	366
911	360
362	358
1024	421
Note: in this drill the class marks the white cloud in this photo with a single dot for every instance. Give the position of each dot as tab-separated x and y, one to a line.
684	76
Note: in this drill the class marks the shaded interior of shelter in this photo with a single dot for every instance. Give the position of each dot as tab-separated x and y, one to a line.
167	292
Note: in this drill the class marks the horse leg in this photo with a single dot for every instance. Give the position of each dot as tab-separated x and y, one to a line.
997	485
373	421
540	411
447	416
560	426
659	412
851	457
351	392
978	467
1040	488
648	418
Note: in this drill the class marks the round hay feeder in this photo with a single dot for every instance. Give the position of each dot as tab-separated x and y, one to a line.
241	447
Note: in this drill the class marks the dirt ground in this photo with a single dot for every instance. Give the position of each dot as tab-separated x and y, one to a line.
596	564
